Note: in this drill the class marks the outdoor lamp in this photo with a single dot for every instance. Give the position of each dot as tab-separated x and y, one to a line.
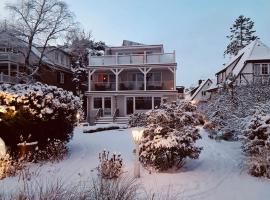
137	135
78	117
2	148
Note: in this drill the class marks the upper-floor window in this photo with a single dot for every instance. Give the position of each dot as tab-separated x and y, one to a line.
56	56
104	78
261	69
62	59
265	69
62	78
154	77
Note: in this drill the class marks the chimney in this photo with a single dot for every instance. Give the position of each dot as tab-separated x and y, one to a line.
200	81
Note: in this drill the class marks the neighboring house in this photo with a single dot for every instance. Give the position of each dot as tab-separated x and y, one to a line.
200	93
60	73
128	79
250	65
55	69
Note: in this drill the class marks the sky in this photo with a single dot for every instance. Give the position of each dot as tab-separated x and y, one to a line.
195	29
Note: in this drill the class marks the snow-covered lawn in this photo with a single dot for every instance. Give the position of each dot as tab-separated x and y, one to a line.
217	174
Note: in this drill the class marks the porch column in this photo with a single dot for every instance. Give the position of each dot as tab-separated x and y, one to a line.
173	70
9	69
116	72
145	71
90	73
88	109
17	71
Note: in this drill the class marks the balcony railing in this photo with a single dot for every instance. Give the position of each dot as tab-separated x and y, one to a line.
4	56
133	59
8	79
132	85
101	86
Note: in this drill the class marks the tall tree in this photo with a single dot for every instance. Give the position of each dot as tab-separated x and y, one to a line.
39	22
81	44
242	34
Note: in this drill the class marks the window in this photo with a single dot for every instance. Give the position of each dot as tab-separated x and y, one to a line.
62	78
97	102
256	69
154	77
203	93
56	56
157	102
264	69
143	103
137	77
105	78
62	59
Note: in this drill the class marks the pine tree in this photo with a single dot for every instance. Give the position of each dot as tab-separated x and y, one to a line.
82	45
242	34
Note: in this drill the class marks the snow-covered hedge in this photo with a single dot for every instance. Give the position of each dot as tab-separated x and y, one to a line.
230	114
170	136
257	146
38	110
137	119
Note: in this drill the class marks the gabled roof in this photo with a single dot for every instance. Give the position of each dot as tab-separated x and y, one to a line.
200	88
256	50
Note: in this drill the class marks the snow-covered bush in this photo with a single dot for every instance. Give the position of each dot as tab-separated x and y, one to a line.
170	136
109	168
230	114
38	110
55	151
137	119
257	146
6	168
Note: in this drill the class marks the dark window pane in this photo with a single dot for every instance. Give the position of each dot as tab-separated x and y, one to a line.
98	102
157	102
129	105
143	103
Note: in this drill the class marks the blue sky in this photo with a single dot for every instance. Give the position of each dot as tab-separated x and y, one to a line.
196	29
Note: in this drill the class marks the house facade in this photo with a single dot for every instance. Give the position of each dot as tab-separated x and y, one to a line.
128	79
250	65
200	93
55	69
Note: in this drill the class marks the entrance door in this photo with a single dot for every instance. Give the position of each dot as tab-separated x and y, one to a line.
107	106
129	105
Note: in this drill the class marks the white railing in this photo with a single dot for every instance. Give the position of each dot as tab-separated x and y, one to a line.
132	59
8	79
8	57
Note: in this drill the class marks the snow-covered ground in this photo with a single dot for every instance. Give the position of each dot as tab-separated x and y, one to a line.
217	174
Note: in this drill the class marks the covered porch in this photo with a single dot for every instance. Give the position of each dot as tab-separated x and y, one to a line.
132	78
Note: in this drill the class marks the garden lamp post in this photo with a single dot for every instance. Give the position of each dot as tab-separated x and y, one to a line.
78	118
137	135
2	148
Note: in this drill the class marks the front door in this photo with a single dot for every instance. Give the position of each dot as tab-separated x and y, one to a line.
107	106
129	105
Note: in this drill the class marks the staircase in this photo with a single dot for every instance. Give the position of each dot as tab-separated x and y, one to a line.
109	120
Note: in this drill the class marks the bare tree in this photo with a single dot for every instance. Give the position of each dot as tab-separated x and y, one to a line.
39	23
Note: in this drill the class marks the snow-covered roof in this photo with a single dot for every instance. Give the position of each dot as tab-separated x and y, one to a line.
256	50
213	86
199	88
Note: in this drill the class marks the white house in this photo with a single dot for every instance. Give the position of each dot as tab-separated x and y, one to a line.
130	78
250	65
200	92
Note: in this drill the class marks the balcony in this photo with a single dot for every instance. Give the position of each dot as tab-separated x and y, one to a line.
134	59
8	79
132	85
4	56
104	86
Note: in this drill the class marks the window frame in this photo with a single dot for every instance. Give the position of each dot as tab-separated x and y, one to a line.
62	78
